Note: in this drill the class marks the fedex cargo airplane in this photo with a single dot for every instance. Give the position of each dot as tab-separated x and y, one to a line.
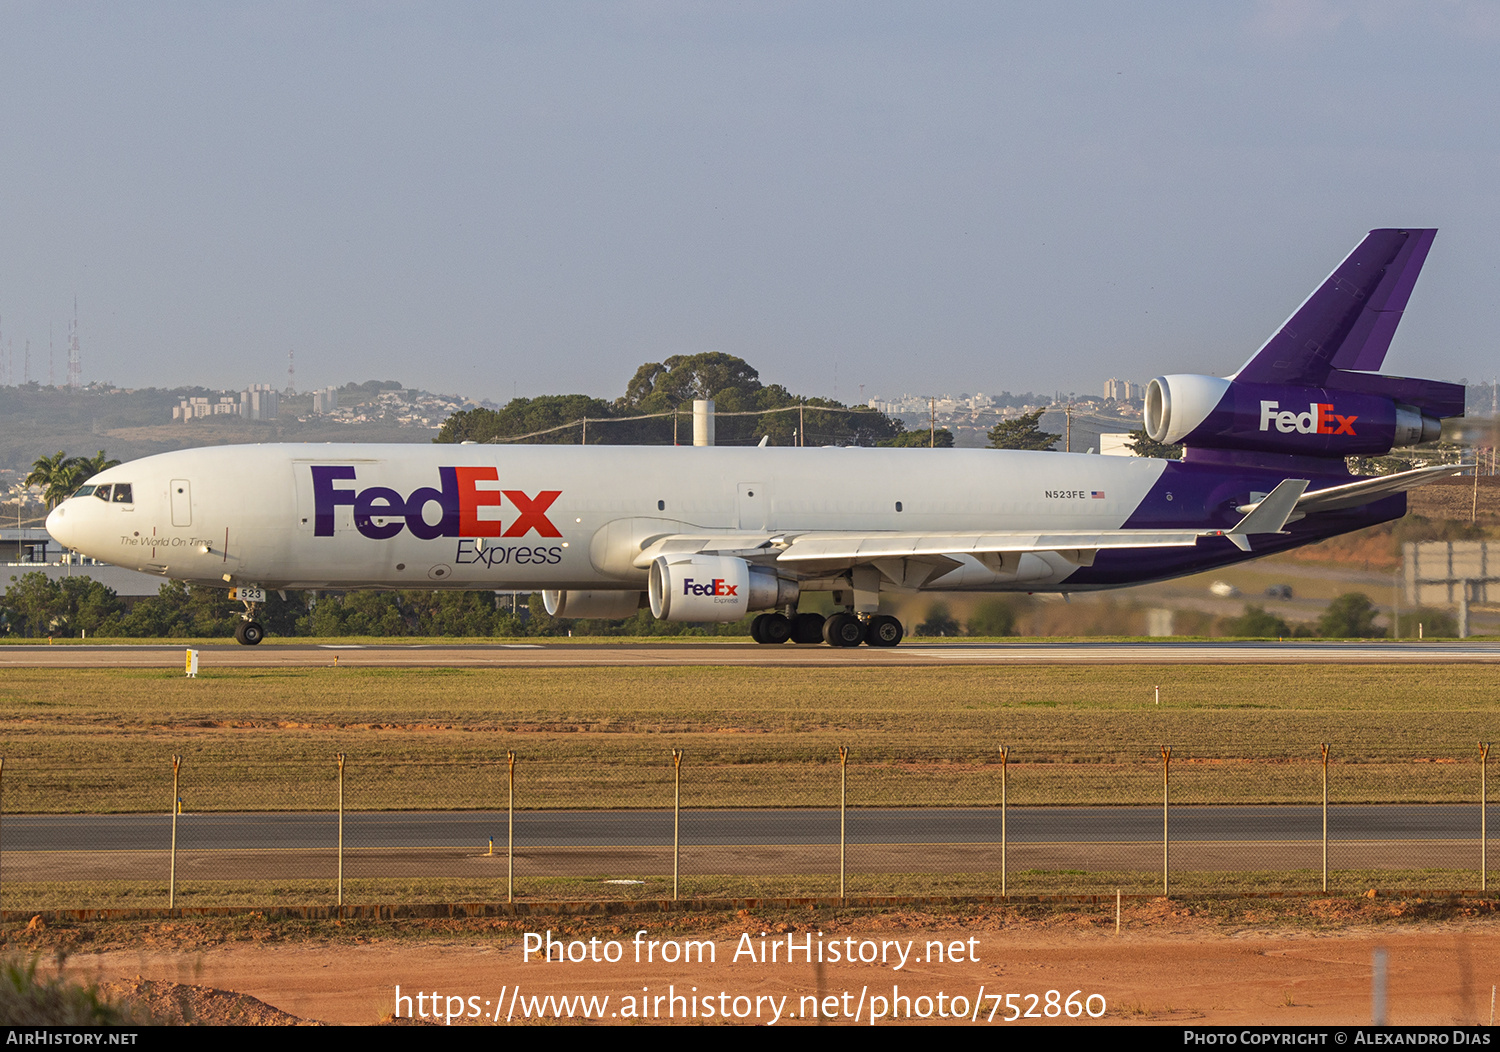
712	534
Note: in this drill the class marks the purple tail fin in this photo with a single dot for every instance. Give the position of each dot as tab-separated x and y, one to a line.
1349	321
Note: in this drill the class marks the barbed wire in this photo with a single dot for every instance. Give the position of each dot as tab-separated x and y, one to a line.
583	421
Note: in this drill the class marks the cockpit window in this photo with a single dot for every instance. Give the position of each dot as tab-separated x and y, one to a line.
102	492
85	491
122	493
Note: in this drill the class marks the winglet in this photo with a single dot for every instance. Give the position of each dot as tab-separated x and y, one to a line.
1270	514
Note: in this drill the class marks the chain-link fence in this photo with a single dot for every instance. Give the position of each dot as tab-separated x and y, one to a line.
655	825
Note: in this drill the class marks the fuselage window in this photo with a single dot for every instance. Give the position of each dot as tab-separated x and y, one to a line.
122	493
661	505
102	492
898	505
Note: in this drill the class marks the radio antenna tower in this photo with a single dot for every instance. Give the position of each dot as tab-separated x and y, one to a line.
75	363
291	373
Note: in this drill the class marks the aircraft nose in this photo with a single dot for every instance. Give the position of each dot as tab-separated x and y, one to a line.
62	531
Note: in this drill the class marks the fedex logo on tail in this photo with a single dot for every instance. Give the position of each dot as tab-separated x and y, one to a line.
458	498
1320	419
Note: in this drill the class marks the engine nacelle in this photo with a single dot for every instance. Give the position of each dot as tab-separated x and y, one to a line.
1210	412
604	605
714	588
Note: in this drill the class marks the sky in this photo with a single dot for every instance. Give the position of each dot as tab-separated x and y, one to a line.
497	199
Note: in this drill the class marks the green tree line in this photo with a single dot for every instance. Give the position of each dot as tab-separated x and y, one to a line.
74	607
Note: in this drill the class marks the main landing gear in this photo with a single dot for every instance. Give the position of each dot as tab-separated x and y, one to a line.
840	630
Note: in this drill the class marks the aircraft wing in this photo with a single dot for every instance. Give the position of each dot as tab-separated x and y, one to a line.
909	559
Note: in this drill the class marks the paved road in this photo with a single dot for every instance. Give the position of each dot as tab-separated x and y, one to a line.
821	826
915	652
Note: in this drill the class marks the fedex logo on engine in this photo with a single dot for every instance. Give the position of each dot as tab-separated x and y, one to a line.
1320	419
718	586
381	512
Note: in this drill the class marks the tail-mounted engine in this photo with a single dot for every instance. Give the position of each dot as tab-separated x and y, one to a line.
1214	413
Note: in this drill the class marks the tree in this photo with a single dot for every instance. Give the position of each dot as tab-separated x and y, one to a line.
994	617
1143	445
662	386
919	439
54	475
1022	432
59	475
1255	622
940	622
1350	616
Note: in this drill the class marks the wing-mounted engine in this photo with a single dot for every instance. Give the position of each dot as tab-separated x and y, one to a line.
1207	412
693	587
593	604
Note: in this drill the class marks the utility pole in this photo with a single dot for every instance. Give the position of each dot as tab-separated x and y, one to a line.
932	421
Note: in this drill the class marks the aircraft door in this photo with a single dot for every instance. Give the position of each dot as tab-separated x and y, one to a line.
182	502
753	505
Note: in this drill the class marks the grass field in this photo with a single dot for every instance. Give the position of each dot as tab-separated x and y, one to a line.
1023	883
101	740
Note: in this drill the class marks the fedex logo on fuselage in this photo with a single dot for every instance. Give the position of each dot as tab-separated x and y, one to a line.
458	499
1320	419
718	586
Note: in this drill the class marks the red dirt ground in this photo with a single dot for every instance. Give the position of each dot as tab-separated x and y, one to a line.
1174	963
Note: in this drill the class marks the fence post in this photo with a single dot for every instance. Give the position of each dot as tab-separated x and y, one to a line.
1166	769
510	831
172	865
843	782
341	830
1324	747
1484	840
1004	756
676	815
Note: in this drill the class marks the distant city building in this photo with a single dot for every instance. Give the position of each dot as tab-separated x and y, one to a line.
326	400
259	402
1123	391
197	408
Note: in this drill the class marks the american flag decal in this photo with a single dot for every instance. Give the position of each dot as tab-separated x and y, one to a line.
1097	494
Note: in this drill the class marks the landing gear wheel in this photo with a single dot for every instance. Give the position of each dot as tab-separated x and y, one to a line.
883	631
756	624
774	628
807	628
843	630
249	633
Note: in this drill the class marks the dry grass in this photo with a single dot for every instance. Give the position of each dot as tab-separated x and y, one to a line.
101	740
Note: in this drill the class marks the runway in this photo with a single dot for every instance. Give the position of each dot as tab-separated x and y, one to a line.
554	829
602	844
719	653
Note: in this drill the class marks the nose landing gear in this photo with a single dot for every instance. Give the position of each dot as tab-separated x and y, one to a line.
249	631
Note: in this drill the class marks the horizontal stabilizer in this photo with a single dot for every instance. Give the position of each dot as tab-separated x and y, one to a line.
1354	494
1270	514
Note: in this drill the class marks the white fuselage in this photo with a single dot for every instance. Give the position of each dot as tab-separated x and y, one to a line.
560	517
